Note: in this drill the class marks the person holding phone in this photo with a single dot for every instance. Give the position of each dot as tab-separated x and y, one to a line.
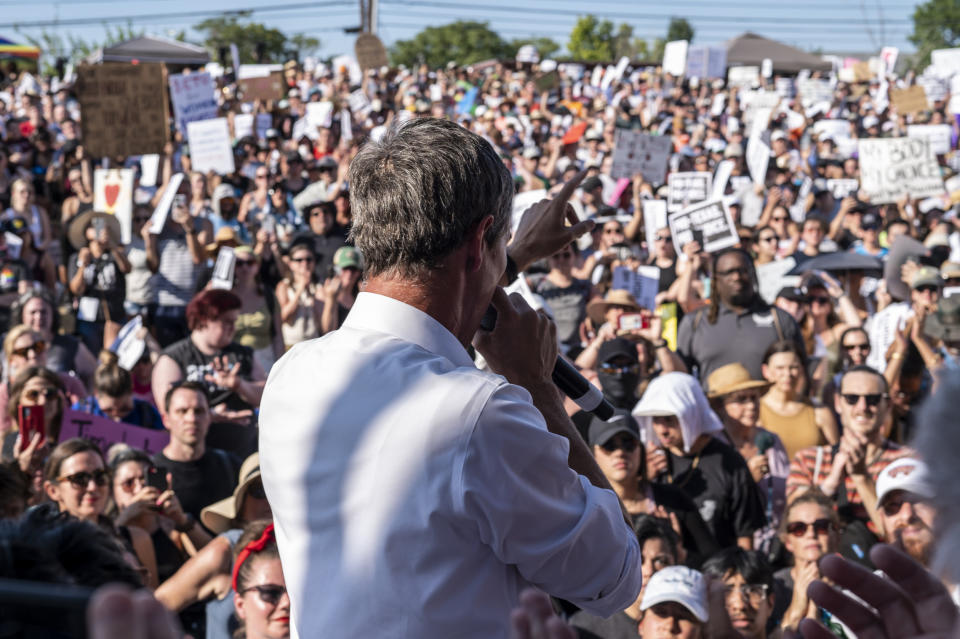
735	398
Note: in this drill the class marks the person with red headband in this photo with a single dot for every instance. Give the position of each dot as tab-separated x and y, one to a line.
260	598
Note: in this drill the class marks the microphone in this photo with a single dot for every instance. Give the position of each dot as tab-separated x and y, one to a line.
567	378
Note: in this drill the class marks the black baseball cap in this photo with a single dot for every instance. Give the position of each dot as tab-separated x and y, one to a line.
601	431
793	293
617	346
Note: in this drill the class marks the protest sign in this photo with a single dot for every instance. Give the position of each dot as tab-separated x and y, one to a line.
263	123
106	432
347	66
675	57
770	277
320	114
892	167
643	283
766	68
124	108
686	189
263	88
210	148
720	178
654	219
370	52
909	100
635	152
834	129
235	59
947	59
159	217
758	159
889	56
242	125
706	62
358	101
709	223
940	136
934	88
14	247
128	345
149	169
193	96
814	90
113	194
743	76
528	54
223	269
841	188
522	202
785	88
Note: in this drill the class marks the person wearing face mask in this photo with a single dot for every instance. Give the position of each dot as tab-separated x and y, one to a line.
683	450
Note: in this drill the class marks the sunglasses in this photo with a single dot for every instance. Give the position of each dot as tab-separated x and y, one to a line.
34	394
664	238
799	528
626	444
819	299
770	238
927	288
611	369
872	399
262	177
779	219
300	260
245	262
892	506
268	593
37	347
742	398
256	490
613	231
860	347
82	479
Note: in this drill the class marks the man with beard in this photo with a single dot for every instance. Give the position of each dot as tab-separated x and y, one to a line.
903	498
738	326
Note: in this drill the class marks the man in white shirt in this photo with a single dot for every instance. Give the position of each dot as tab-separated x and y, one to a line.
413	494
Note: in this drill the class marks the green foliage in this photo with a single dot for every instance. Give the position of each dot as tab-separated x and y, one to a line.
936	25
304	45
462	42
679	29
592	40
227	30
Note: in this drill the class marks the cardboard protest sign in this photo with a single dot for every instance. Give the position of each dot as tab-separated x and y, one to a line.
210	148
770	277
635	152
686	189
547	81
124	108
643	283
113	194
841	188
892	167
743	76
654	219
940	136
709	223
370	52
159	217
263	88
193	96
675	57
223	269
106	432
909	100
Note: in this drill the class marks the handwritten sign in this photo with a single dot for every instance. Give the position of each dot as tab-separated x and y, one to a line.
106	432
113	194
210	148
909	100
193	98
710	223
814	90
686	189
675	57
758	159
706	62
743	76
892	167
263	88
223	269
654	219
635	152
124	108
842	187
370	52
940	136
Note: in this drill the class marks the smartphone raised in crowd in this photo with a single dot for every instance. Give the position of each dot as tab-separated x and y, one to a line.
633	321
30	421
157	478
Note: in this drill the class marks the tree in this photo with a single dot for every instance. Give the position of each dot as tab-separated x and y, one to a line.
591	40
462	42
679	29
254	41
545	46
304	45
936	25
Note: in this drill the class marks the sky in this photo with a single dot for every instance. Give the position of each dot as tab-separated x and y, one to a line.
831	26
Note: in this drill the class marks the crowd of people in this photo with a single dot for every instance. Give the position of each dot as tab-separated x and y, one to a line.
755	433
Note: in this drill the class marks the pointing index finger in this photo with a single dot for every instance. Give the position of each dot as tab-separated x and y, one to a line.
571	186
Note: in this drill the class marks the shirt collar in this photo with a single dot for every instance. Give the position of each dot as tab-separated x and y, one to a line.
382	314
756	306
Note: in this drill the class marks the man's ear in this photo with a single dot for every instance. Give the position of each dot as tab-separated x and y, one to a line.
477	243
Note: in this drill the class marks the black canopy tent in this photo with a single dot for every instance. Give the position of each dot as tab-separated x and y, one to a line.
750	49
174	53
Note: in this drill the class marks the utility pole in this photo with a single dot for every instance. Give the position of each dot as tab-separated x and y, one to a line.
368	16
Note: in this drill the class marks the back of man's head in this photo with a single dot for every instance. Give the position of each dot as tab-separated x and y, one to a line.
417	192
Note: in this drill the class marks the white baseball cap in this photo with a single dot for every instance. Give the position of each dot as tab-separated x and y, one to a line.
679	584
904	474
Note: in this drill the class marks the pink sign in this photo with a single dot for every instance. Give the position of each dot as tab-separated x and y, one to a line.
106	432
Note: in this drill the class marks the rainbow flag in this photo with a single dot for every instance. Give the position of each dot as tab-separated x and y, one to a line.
10	49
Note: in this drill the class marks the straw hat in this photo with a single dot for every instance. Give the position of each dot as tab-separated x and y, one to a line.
730	379
220	516
596	309
77	231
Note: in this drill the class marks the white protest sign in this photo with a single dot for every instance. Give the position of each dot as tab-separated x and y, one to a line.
718	104
720	178
635	152
621	68
935	88
359	102
654	219
149	169
320	114
210	148
743	76
940	136
758	159
346	125
347	64
522	202
841	188
835	129
608	77
223	269
14	245
770	277
706	62
686	189
159	217
709	223
785	88
814	90
194	98
113	194
893	167
643	283
889	56
675	57
948	59
528	53
766	68
242	125
128	345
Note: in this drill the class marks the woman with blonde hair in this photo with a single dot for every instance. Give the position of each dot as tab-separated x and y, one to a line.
22	205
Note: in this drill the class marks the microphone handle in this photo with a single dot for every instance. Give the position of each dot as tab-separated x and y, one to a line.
575	386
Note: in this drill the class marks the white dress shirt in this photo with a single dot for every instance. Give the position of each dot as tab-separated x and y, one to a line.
416	496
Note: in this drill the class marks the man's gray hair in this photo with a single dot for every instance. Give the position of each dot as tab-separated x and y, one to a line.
418	192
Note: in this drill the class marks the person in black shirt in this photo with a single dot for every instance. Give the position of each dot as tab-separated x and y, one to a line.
678	426
200	475
327	236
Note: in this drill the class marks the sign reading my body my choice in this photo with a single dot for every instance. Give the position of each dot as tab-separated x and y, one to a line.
893	167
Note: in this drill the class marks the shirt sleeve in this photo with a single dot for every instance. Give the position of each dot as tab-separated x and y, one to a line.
800	475
563	534
685	339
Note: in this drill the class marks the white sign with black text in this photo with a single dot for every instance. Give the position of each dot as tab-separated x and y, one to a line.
709	223
635	152
687	189
893	167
